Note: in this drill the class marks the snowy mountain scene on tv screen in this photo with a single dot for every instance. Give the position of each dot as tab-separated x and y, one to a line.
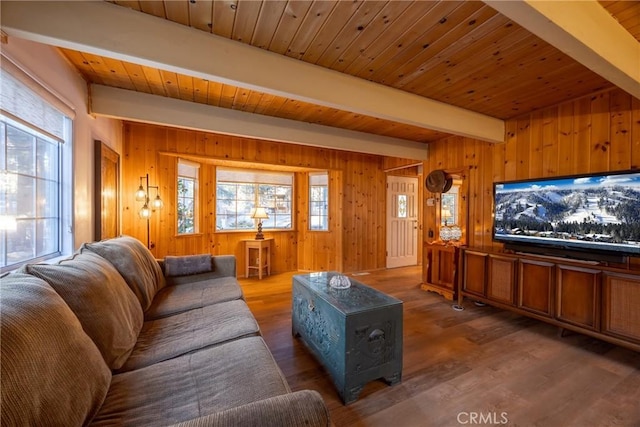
587	212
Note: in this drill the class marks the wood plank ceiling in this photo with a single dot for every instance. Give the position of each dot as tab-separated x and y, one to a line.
461	53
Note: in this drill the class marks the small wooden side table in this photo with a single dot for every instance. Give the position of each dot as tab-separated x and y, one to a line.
262	259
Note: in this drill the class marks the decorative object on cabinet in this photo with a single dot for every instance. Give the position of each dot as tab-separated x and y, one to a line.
340	282
445	230
259	214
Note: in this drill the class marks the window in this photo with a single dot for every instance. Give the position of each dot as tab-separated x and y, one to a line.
319	201
187	197
449	206
35	156
240	190
402	206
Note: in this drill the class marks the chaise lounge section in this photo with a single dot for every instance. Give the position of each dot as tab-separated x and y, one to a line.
110	336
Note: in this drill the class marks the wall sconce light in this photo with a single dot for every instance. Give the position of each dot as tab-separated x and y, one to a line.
149	206
259	214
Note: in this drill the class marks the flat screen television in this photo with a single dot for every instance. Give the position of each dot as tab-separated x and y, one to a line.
594	217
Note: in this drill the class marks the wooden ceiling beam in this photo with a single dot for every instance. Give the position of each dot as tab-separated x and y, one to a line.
586	32
146	108
113	31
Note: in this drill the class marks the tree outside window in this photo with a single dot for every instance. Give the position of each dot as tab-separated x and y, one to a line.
187	212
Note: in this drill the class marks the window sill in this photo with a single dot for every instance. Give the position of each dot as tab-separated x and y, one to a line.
53	260
254	231
178	236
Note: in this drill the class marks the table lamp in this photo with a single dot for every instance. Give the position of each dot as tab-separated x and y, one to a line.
259	214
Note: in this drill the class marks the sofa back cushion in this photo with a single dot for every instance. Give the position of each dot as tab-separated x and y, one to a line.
52	373
135	263
94	290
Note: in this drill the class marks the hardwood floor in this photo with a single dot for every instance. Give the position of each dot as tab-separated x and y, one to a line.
481	366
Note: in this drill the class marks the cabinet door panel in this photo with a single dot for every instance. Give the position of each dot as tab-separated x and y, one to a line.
535	287
577	296
621	305
444	260
501	279
475	272
442	270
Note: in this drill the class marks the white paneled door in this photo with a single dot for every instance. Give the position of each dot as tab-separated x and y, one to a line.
402	221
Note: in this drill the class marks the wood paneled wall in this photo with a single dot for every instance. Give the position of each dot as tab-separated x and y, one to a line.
318	250
355	242
591	134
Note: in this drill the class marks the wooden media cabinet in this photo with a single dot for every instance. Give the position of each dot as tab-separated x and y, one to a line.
587	297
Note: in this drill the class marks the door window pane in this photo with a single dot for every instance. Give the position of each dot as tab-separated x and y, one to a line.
402	206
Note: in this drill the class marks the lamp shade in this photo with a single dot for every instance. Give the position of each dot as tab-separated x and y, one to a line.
157	202
259	213
141	194
446	214
145	212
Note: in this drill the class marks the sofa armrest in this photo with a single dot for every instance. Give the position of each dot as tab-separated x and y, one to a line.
301	408
224	265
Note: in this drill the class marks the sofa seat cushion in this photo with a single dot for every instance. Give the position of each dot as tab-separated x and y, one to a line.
107	309
173	336
193	385
52	373
300	408
189	295
135	263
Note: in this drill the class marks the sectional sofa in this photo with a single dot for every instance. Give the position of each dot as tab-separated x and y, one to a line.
111	336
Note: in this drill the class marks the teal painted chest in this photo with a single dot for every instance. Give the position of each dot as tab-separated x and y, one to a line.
355	333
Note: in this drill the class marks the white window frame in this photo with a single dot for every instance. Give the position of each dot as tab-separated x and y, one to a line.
188	171
319	206
279	208
31	108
